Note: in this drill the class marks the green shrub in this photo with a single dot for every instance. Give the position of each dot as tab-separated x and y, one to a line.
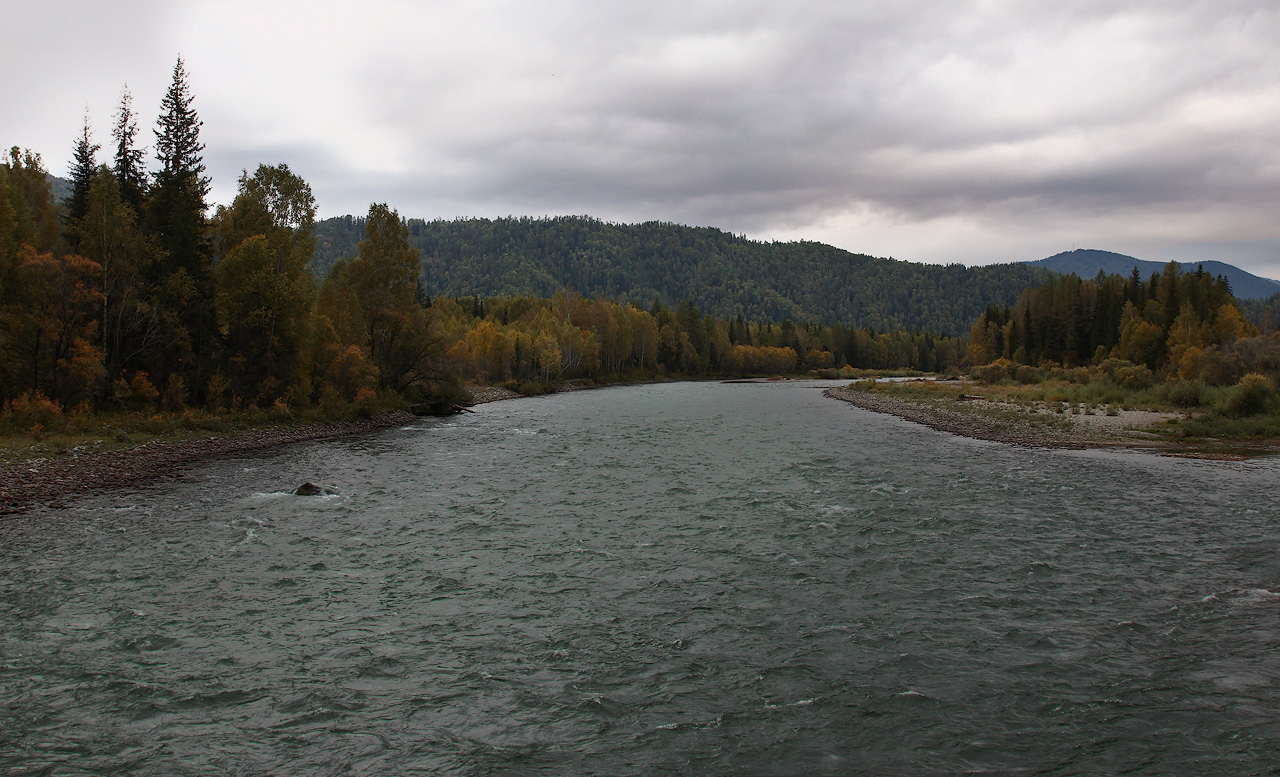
1184	393
1127	374
1026	374
1253	395
992	374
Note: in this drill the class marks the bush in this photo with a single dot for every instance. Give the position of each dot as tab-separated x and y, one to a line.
366	401
1027	375
143	390
1185	393
352	371
174	398
31	413
1127	374
1253	395
993	373
216	391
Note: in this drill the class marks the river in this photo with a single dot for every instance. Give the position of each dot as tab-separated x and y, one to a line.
691	578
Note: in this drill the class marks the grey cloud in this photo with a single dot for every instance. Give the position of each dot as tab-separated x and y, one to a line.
800	129
1018	119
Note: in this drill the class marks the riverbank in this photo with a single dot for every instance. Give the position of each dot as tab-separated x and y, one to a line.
54	480
987	420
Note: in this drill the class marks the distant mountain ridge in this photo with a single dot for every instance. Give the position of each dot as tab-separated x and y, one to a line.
1086	262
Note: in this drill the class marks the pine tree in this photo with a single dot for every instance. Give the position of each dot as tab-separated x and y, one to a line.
83	167
127	165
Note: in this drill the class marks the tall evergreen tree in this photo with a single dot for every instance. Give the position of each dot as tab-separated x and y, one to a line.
84	166
130	173
176	205
175	214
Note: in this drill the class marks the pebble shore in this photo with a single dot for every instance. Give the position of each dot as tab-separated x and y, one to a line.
53	481
997	429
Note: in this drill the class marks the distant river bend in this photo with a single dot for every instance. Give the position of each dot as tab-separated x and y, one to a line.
687	578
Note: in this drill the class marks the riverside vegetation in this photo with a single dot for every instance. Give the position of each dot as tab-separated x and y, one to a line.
1175	343
128	313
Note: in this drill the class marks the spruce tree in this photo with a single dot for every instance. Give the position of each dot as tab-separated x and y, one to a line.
83	167
176	204
174	212
130	173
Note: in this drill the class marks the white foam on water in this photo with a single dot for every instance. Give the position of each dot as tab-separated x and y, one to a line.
1257	596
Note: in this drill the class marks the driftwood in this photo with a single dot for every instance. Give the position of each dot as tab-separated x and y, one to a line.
968	397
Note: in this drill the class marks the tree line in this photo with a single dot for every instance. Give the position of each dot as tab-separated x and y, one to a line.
567	335
1184	325
130	294
724	274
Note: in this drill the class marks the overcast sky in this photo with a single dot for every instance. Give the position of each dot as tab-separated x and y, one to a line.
945	131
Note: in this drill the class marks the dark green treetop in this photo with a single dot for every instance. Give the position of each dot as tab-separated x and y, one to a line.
84	166
130	173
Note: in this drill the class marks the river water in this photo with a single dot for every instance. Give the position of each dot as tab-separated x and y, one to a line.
690	578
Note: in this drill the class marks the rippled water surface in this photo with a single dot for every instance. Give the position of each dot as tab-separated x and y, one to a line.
686	579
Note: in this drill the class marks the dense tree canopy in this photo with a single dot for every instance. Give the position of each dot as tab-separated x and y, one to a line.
263	289
724	274
1185	325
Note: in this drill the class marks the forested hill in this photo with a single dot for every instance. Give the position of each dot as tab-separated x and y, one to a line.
1087	262
722	274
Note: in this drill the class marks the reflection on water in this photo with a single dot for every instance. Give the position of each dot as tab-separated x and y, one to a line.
689	578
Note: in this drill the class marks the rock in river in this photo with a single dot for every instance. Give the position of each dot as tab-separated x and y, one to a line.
311	489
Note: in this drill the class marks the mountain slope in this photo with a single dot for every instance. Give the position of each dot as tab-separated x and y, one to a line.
722	274
1087	262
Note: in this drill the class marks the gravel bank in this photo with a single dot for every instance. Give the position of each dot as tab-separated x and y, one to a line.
483	394
53	481
1031	431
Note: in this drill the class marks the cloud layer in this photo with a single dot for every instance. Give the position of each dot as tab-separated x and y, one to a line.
934	131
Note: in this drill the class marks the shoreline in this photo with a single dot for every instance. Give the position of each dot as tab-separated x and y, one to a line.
52	481
1025	432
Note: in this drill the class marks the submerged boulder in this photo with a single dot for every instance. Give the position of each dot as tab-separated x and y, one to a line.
311	489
